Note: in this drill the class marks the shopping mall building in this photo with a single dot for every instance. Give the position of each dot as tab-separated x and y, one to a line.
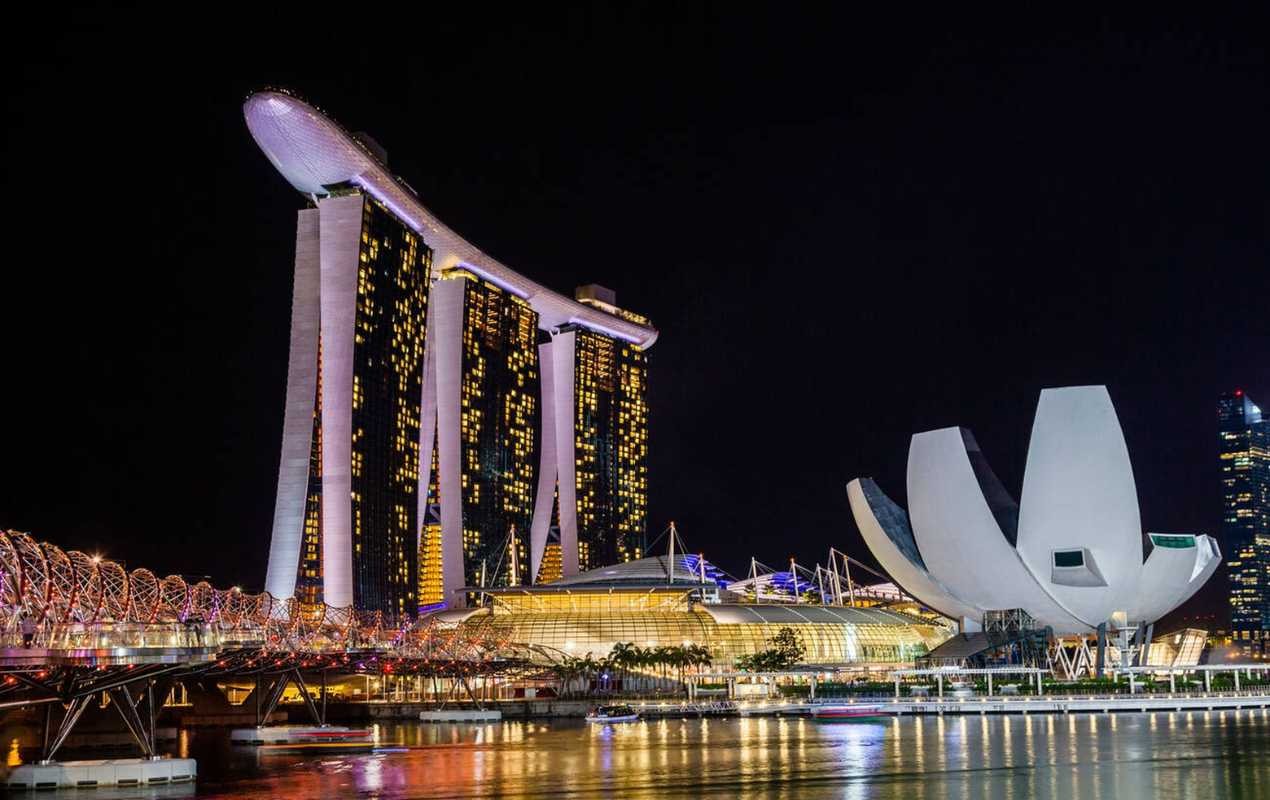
643	603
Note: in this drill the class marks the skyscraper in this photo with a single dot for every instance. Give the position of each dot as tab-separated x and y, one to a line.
349	476
481	418
1244	460
427	446
596	397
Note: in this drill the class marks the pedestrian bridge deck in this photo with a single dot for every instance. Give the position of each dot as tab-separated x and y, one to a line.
101	656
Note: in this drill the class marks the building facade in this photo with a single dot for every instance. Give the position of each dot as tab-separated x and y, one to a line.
1244	464
594	460
481	411
638	603
610	449
347	486
427	446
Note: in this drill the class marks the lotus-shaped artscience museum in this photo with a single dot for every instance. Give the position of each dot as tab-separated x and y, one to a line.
1070	554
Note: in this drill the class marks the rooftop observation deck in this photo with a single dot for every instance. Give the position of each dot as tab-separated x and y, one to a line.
314	153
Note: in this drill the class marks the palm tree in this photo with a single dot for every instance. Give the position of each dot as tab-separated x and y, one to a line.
587	666
642	661
623	657
700	656
663	659
567	670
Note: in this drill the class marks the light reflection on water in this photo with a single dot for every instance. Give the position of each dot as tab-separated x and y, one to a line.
1076	757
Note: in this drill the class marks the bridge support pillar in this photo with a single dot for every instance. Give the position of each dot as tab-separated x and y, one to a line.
48	724
271	702
304	693
121	698
323	697
154	739
73	712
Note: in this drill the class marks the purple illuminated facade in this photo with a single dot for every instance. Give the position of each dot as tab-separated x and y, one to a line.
382	470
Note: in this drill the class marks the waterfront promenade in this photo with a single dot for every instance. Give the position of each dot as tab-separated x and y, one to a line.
544	709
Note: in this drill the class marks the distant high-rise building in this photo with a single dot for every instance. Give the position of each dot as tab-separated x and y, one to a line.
444	412
1244	460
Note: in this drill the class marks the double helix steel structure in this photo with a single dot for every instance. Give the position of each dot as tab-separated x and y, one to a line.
51	586
85	603
69	592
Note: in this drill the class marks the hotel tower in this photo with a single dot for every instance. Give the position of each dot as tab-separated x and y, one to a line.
450	424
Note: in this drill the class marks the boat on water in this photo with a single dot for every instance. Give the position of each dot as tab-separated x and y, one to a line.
849	713
287	737
606	714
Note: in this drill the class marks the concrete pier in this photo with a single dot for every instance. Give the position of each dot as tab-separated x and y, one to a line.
111	772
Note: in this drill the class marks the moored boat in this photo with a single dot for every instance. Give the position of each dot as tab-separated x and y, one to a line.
296	737
849	713
605	714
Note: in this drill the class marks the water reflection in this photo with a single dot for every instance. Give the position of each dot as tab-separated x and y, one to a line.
1075	757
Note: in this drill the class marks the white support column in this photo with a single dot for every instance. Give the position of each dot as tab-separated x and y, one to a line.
1208	683
548	468
297	424
340	223
1172	682
445	312
989	684
940	679
427	429
563	349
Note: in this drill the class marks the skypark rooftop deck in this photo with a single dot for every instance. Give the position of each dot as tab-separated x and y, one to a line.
314	153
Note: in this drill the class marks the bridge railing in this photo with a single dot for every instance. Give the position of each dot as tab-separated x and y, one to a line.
116	635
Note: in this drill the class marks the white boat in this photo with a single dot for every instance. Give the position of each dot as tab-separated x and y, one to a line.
307	737
606	714
849	713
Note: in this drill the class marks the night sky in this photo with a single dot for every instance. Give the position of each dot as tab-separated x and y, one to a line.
847	230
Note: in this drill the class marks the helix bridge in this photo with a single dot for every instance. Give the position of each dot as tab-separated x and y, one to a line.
75	627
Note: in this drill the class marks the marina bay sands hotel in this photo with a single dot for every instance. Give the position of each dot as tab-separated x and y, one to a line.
449	422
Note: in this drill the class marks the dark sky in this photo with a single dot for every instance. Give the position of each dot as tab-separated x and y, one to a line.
847	229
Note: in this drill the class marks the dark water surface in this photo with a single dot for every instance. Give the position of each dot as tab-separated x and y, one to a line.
1159	755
